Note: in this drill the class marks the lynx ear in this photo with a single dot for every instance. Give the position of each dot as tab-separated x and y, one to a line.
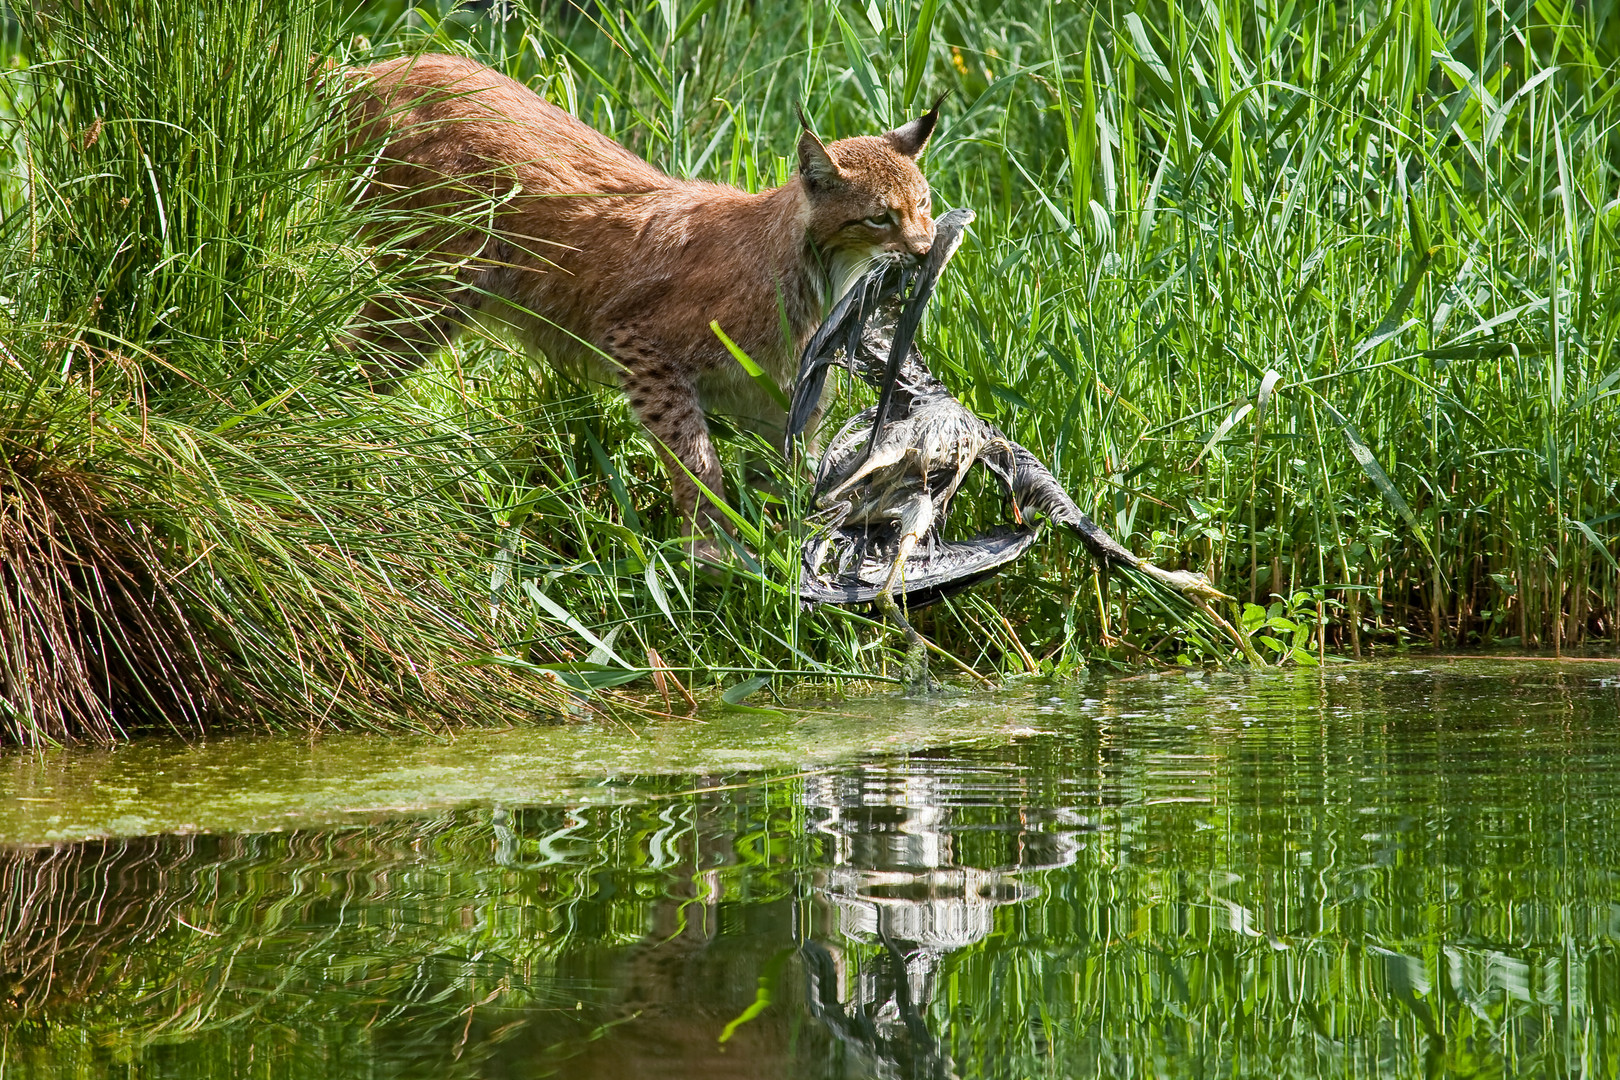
815	164
909	139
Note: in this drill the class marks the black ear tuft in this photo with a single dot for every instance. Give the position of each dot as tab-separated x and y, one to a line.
909	139
815	163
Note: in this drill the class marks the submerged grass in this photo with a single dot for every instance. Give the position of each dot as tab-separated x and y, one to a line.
1319	301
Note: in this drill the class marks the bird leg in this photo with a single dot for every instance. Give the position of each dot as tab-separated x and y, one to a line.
1099	582
915	670
916	519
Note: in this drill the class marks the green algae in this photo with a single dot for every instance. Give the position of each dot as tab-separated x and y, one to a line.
263	783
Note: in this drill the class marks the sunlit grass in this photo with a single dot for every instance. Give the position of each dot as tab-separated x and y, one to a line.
1323	308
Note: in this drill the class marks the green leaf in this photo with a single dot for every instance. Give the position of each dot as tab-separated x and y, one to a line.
1254	617
268	403
983	101
690	19
1346	73
562	615
865	76
1011	397
1369	465
1390	325
917	51
616	488
599	655
736	694
1596	541
1220	433
655	586
1600	390
587	676
1493	126
755	372
1222	120
1262	397
1064	224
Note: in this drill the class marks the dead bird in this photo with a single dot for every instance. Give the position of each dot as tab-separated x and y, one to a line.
884	486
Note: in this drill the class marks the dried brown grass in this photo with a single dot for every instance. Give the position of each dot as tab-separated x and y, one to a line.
94	641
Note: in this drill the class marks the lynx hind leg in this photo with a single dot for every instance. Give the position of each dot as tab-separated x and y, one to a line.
396	333
667	404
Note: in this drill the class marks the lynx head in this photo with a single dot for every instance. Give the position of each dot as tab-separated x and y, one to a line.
867	195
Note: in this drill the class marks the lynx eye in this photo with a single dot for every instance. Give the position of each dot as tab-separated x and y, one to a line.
879	221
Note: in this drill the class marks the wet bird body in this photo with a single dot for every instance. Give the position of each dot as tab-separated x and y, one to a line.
885	484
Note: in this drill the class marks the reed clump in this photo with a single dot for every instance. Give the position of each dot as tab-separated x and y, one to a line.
203	523
93	637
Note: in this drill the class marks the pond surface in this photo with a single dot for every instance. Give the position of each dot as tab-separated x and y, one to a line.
1399	869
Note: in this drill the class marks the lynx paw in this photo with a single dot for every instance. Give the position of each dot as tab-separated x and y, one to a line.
715	559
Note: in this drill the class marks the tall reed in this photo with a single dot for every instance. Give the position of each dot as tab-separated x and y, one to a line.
199	523
1320	303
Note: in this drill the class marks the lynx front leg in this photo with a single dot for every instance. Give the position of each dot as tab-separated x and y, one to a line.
667	403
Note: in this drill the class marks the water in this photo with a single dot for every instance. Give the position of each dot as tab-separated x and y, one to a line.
1404	869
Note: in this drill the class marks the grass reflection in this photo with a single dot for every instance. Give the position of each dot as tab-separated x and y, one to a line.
1395	875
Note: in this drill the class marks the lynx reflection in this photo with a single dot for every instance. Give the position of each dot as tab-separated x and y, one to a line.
916	867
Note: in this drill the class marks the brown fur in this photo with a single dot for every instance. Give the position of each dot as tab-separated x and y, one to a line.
609	267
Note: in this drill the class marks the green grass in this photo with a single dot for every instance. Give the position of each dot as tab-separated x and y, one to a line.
1319	300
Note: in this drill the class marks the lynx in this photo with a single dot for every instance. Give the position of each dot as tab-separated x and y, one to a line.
607	266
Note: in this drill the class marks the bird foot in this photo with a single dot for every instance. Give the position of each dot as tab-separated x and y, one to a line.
914	673
919	682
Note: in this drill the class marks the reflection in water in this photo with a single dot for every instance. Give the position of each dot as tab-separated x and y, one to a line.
1398	874
71	913
893	880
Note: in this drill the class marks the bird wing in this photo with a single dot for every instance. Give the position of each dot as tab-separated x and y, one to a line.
953	566
839	332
